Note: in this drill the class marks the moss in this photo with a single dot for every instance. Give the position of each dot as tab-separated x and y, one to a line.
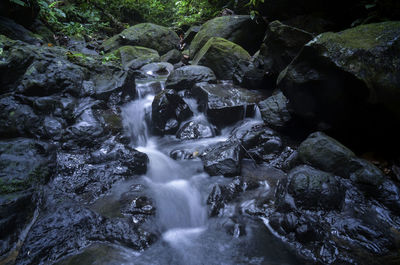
364	36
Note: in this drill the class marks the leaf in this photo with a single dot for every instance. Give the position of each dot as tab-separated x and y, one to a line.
18	2
252	14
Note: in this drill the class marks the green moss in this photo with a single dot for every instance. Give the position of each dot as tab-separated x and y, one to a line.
364	36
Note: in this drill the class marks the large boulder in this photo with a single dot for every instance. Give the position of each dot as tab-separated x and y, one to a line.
187	76
224	57
225	104
168	111
357	67
241	30
146	35
17	32
281	44
314	189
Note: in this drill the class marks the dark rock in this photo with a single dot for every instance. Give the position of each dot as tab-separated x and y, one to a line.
225	104
140	205
16	211
274	111
241	30
315	189
17	119
173	56
65	227
187	76
195	130
146	35
225	58
281	44
52	128
326	153
357	67
168	111
223	159
86	176
17	32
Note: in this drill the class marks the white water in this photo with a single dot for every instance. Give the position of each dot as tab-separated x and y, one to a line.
181	212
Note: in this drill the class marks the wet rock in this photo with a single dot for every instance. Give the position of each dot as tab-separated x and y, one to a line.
195	130
222	194
49	74
241	30
225	104
326	154
223	159
16	211
157	69
52	128
187	76
146	35
168	111
86	176
315	189
65	227
173	56
140	205
225	58
134	57
357	67
274	111
17	119
87	129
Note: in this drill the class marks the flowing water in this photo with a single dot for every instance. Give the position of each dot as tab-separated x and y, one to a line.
179	189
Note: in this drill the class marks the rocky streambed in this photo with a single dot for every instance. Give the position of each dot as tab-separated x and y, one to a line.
123	159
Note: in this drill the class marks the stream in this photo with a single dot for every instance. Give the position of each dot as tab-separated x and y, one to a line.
179	190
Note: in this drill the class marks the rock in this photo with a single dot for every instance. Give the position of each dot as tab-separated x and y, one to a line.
241	30
50	74
225	58
173	56
17	32
315	189
168	111
146	35
85	175
65	227
108	82
134	57
195	130
162	69
223	159
190	34
24	163
357	67
281	44
17	119
274	111
225	104
187	76
325	153
16	210
52	128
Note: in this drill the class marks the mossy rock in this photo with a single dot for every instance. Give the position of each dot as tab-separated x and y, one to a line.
224	57
24	163
135	56
241	30
358	67
146	35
